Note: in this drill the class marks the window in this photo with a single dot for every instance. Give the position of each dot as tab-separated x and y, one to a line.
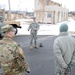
47	2
48	15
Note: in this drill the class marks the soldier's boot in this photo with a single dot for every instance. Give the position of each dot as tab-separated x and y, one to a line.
35	46
31	47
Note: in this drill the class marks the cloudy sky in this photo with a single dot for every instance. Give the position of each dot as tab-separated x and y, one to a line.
28	5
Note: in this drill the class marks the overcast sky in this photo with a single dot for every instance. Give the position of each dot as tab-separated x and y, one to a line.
28	5
70	4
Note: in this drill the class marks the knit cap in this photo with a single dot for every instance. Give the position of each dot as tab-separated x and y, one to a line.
63	27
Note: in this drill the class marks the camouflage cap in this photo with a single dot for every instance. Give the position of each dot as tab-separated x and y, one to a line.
7	28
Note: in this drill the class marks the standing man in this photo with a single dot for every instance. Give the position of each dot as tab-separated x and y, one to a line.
34	27
12	58
64	51
1	25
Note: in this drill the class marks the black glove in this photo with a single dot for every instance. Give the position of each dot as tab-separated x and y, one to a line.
28	71
67	70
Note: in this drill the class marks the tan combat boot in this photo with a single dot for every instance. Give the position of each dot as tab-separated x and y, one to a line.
31	47
36	46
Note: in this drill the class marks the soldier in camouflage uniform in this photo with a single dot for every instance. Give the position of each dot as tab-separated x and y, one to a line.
34	27
1	25
64	51
12	58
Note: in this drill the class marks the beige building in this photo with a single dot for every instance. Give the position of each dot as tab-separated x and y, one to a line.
14	15
47	11
71	15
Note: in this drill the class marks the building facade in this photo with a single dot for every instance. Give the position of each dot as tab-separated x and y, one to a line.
14	15
2	12
47	11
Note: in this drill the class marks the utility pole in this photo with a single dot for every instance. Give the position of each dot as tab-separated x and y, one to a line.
9	10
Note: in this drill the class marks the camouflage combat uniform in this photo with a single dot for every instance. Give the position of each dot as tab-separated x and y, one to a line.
34	27
12	58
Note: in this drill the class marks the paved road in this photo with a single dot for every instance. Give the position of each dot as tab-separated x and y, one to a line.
41	60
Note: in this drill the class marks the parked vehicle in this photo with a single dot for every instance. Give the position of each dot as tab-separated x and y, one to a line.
14	24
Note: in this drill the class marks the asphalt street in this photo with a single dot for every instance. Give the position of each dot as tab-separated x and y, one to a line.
41	61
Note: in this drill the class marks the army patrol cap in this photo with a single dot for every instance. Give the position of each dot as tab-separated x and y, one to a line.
7	28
